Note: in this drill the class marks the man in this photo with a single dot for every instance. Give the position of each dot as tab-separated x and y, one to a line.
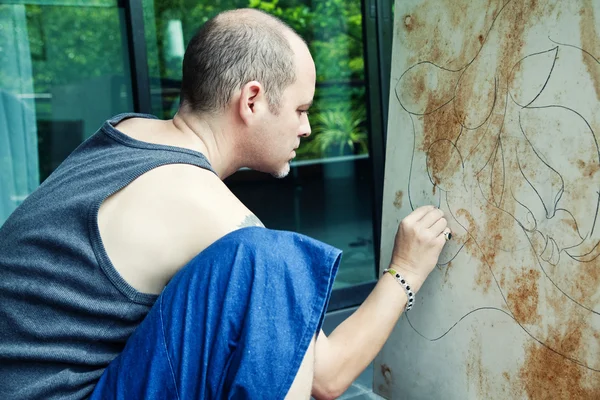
83	259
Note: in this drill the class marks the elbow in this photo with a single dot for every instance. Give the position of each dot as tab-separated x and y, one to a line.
329	390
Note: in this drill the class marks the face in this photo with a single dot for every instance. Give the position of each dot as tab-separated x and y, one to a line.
281	132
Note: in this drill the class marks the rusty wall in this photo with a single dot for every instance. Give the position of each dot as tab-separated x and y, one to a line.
495	118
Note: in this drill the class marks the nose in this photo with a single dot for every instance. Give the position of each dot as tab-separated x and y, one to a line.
305	130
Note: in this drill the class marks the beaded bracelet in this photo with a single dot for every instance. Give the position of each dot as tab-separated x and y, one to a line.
405	286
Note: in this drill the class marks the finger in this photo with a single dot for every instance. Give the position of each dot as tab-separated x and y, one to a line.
439	227
431	218
418	213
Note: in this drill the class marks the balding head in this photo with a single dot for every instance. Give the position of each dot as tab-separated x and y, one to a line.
232	49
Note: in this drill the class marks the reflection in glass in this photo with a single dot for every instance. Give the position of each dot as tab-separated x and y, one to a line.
18	151
63	71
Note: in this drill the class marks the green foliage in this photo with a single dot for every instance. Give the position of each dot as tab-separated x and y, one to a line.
339	132
71	44
333	31
343	100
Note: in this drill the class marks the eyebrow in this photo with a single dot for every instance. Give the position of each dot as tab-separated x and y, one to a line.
309	104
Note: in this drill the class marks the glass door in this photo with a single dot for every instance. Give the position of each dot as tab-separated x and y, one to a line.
64	69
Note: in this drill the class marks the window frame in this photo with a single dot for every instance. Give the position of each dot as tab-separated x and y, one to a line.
138	58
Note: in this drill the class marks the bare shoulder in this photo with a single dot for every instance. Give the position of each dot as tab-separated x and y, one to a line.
195	194
203	195
160	221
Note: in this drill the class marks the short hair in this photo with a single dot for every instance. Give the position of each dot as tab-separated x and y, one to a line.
232	49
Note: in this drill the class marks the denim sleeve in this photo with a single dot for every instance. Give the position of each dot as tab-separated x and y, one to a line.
234	323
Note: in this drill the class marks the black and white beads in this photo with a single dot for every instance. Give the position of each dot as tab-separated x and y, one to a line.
405	286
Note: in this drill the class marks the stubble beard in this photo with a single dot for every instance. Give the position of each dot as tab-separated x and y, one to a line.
283	172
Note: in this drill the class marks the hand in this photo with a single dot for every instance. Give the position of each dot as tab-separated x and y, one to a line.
419	241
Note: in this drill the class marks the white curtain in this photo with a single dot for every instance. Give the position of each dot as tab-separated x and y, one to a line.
19	172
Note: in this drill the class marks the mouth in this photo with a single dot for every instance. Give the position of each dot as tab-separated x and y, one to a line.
294	150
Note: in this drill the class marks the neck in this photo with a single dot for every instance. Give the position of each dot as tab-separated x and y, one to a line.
212	137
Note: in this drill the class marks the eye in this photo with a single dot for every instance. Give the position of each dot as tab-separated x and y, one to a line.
304	112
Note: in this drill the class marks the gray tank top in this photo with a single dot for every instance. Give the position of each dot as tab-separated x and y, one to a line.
65	312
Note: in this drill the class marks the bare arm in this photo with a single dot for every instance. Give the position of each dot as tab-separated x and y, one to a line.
342	356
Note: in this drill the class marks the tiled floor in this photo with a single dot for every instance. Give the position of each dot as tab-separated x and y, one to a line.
362	388
357	392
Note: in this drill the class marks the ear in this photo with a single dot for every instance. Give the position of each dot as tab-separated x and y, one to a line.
252	101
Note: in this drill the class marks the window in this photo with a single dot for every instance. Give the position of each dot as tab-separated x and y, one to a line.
64	70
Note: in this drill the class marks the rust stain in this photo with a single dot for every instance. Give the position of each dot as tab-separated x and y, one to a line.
448	266
589	42
439	129
499	230
457	13
431	38
443	162
499	227
511	388
408	23
398	199
483	277
385	388
516	19
497	183
523	297
547	372
588	170
548	375
477	374
474	95
495	235
417	83
570	222
587	278
387	373
510	51
471	227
